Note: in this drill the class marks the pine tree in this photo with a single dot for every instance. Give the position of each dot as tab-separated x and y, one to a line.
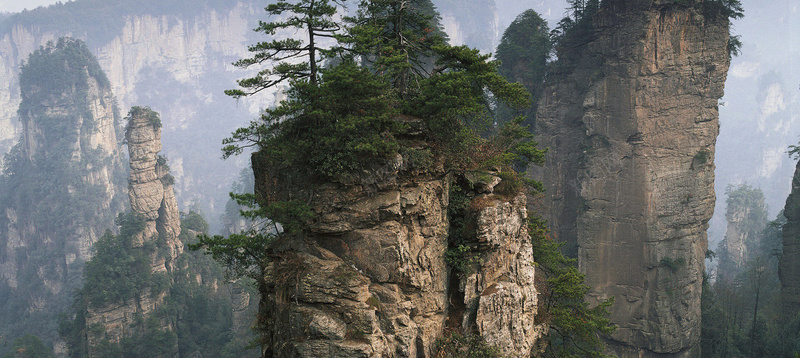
523	53
397	38
315	17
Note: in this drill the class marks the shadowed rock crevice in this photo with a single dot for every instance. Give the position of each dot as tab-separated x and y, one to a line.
789	264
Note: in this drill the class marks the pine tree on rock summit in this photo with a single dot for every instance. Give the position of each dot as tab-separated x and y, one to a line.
315	18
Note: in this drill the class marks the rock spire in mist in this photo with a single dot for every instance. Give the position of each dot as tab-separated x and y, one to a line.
62	185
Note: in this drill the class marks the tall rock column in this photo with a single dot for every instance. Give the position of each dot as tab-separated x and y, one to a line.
369	278
746	214
150	186
631	121
152	198
63	186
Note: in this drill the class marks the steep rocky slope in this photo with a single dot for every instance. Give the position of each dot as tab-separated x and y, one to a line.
631	121
369	277
142	294
62	188
789	269
176	61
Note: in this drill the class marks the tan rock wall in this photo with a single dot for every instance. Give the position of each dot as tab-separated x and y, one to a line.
369	277
631	125
148	190
500	294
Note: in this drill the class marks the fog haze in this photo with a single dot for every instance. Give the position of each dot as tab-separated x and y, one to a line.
19	5
758	114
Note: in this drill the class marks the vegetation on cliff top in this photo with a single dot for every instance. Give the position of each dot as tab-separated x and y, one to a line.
343	119
579	27
340	123
523	53
56	75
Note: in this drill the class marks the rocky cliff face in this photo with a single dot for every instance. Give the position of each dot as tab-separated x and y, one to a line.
631	123
789	267
369	277
62	189
151	195
499	295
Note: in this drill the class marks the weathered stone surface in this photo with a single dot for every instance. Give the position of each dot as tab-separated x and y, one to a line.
369	281
149	191
483	183
631	123
369	277
789	264
117	319
500	297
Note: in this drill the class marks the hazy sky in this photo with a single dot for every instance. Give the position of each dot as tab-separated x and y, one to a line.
19	5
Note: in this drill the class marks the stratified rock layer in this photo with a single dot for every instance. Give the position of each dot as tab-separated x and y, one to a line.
631	123
150	185
369	280
369	276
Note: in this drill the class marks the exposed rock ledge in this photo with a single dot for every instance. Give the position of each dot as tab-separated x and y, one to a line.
369	277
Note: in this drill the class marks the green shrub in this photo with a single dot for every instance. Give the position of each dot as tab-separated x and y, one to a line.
28	346
456	345
673	264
